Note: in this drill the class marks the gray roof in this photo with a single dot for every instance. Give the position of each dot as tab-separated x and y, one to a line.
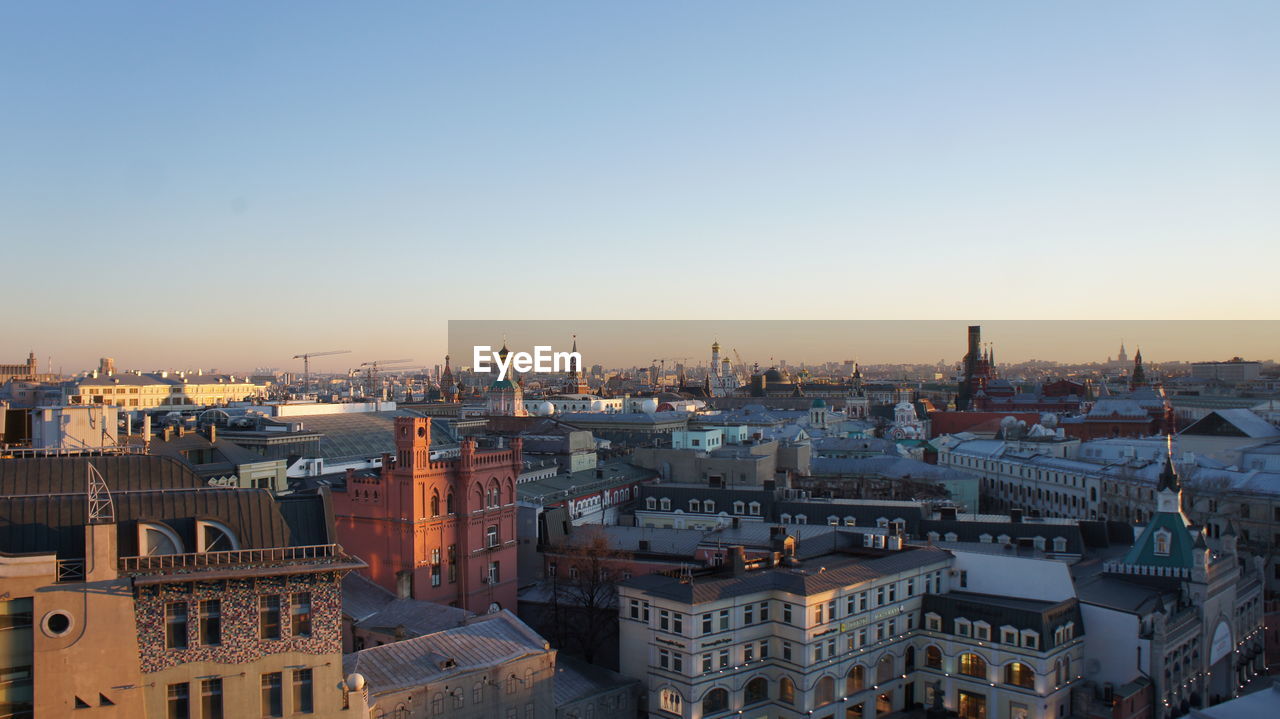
414	617
362	597
485	642
362	435
577	680
1244	421
820	574
1041	616
887	466
574	484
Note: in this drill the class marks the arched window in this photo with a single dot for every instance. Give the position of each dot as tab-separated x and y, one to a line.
826	691
884	669
973	665
215	537
650	503
933	657
1019	675
801	519
909	659
716	700
155	538
491	536
437	703
670	701
757	691
856	680
787	691
448	503
435	503
785	518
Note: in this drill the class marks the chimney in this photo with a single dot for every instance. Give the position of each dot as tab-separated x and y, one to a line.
388	463
351	475
1015	515
738	560
404	584
213	433
168	433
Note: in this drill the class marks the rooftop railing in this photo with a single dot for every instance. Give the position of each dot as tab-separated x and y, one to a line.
206	560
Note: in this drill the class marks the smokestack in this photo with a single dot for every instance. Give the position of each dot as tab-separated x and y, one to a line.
213	433
737	560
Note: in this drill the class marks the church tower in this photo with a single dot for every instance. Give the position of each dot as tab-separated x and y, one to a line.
1139	377
576	382
505	396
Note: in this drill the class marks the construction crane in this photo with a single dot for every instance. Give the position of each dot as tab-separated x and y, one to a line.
662	366
306	365
371	371
742	366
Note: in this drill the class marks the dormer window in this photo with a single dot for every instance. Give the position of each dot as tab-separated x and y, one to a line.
754	508
1030	639
666	504
214	537
982	630
984	538
833	521
801	519
933	622
155	538
964	628
1163	542
1059	544
650	503
785	518
709	506
850	522
952	536
737	507
1009	635
695	505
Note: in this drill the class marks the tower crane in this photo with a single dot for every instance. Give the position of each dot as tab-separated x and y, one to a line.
371	370
306	365
662	365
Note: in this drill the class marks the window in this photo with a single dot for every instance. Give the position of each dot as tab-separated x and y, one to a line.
748	614
716	700
670	701
1059	544
1162	542
666	507
272	695
491	536
724	658
437	704
154	538
494	574
435	503
826	691
175	622
973	665
764	611
786	613
708	506
179	701
748	652
300	611
738	507
211	699
982	630
964	628
269	619
856	680
706	663
1030	639
211	622
933	657
1009	635
757	690
764	648
787	691
302	700
1019	675
453	564
754	508
214	537
650	503
724	620
884	669
786	651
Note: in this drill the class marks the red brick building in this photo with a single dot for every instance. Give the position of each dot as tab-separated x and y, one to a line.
440	530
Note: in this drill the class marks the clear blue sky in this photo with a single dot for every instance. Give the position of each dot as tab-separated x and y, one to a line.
231	183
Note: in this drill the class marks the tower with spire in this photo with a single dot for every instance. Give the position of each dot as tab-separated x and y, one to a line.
1139	376
576	382
448	386
1123	356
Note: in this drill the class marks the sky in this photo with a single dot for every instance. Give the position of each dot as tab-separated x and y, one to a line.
230	184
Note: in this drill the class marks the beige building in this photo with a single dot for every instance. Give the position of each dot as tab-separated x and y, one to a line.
162	390
165	598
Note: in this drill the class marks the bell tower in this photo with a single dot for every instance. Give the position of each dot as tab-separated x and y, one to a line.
413	444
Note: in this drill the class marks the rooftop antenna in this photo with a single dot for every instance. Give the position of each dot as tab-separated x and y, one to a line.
101	510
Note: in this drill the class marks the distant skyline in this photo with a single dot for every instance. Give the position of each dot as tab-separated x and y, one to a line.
231	184
634	343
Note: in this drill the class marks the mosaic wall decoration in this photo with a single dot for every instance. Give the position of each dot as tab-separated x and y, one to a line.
239	600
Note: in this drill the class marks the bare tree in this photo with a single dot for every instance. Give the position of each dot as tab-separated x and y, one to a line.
584	593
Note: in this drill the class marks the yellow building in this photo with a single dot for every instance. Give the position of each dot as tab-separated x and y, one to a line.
163	390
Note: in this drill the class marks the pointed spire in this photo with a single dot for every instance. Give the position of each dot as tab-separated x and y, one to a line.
1169	476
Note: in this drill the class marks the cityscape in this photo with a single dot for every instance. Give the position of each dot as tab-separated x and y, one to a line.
684	536
565	359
